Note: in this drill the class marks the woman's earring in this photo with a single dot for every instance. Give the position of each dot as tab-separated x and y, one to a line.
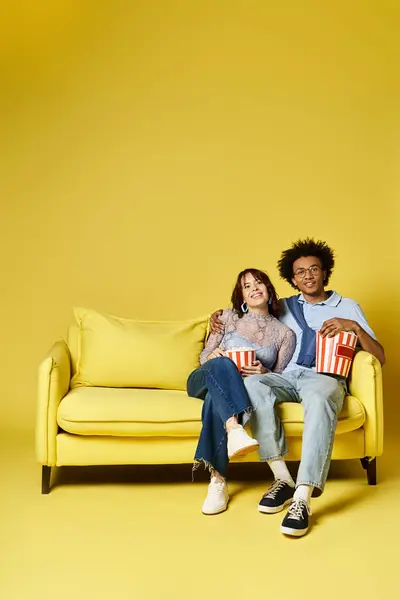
270	301
244	307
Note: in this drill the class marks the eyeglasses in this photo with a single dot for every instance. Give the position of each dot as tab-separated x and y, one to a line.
313	270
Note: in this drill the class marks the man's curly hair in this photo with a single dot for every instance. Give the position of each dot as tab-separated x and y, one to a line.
303	248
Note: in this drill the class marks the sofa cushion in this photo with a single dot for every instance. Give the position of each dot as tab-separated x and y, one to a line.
130	412
114	352
165	413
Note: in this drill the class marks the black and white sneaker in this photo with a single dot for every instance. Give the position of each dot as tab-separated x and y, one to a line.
296	520
278	495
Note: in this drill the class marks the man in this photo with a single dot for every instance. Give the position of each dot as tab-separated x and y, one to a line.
307	266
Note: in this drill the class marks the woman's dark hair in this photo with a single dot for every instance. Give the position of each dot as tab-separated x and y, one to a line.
237	294
302	249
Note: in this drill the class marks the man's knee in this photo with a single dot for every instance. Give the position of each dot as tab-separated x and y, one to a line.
335	392
330	394
252	383
330	385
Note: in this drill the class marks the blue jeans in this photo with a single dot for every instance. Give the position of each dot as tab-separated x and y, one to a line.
322	398
219	383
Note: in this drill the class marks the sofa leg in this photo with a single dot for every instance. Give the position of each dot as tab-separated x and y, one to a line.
369	464
46	474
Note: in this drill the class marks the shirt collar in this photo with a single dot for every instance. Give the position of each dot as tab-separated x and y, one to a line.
333	299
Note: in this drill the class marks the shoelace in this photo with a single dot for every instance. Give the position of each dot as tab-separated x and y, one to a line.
275	488
215	487
296	508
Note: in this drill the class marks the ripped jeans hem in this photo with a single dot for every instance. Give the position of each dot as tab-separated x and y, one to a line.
243	417
207	466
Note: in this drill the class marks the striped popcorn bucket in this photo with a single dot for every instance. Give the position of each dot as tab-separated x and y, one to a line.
335	355
242	357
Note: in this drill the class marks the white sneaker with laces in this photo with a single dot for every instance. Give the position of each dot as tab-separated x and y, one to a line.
217	497
240	443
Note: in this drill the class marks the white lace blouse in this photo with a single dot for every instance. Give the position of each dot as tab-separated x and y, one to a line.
273	342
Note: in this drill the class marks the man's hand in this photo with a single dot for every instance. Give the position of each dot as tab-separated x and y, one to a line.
334	326
216	326
256	368
216	353
367	343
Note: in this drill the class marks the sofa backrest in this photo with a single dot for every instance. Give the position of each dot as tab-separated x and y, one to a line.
72	342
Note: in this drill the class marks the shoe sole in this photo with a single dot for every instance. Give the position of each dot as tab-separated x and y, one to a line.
217	512
271	510
293	532
244	451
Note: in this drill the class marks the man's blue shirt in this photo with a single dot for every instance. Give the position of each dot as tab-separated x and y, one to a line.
335	306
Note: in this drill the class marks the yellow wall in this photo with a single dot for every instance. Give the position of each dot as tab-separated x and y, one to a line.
151	149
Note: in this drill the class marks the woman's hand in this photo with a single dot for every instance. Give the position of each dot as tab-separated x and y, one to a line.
256	368
216	353
216	326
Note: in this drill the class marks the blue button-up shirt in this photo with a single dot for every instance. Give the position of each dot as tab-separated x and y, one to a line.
316	314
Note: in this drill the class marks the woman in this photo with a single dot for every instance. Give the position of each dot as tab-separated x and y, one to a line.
252	322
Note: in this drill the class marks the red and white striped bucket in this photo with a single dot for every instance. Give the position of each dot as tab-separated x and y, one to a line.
335	355
242	357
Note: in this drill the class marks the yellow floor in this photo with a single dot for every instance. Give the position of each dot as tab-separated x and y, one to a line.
113	533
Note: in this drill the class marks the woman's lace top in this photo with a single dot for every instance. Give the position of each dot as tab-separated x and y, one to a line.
273	342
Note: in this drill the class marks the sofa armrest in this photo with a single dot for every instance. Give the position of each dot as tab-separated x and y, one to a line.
53	385
365	384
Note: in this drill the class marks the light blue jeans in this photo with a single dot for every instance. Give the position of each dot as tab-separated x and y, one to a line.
322	398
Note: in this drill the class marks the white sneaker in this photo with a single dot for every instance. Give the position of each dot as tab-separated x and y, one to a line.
240	443
217	497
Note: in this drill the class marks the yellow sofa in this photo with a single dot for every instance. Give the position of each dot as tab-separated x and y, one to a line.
93	425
